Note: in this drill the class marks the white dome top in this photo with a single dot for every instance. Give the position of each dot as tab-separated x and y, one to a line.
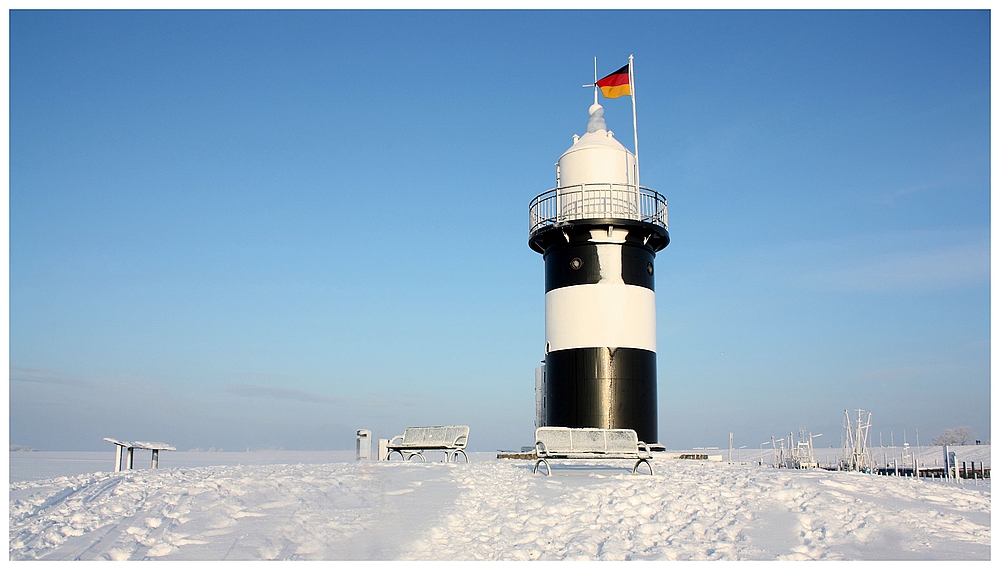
596	157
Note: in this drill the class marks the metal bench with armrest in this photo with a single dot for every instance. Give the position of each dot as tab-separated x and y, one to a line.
416	440
591	444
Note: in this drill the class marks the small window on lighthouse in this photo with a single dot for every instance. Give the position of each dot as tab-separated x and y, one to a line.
649	267
575	263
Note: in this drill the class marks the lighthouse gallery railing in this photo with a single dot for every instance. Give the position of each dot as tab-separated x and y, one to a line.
597	200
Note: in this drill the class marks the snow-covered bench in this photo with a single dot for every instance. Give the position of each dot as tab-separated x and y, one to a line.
129	448
416	440
591	444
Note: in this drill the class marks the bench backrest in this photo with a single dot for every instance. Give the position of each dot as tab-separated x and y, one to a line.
587	440
436	435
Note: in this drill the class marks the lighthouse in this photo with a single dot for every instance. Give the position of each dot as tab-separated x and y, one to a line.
598	232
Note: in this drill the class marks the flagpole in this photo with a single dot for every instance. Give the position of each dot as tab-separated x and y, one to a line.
595	80
635	130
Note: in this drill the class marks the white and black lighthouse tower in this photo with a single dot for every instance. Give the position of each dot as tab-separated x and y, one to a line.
598	232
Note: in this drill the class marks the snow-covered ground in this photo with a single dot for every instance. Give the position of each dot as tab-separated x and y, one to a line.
31	466
489	509
35	465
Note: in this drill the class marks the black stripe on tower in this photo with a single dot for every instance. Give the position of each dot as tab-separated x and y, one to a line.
643	234
602	387
579	264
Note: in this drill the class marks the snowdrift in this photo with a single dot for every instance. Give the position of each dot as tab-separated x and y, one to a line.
495	510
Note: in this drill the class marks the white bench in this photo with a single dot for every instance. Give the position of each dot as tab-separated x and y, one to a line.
591	444
129	450
416	440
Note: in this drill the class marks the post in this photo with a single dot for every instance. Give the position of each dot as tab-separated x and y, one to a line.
118	458
156	458
635	129
947	468
128	458
364	446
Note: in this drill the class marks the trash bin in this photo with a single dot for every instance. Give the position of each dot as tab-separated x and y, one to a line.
383	450
364	444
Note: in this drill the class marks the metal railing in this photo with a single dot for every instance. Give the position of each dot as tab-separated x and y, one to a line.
599	200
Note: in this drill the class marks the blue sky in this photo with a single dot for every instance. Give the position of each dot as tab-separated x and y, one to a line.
270	229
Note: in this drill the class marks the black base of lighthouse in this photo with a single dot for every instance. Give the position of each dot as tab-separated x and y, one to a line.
602	388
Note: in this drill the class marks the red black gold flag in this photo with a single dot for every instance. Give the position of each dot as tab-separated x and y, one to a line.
616	84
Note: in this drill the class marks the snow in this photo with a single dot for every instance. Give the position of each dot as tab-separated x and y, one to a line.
31	466
281	506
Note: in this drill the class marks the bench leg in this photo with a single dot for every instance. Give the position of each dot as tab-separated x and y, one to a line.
548	469
419	454
635	468
454	455
388	456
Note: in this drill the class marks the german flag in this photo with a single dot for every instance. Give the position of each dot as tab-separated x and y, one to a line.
616	84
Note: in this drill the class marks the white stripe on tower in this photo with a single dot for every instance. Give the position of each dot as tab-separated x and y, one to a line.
609	313
600	315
